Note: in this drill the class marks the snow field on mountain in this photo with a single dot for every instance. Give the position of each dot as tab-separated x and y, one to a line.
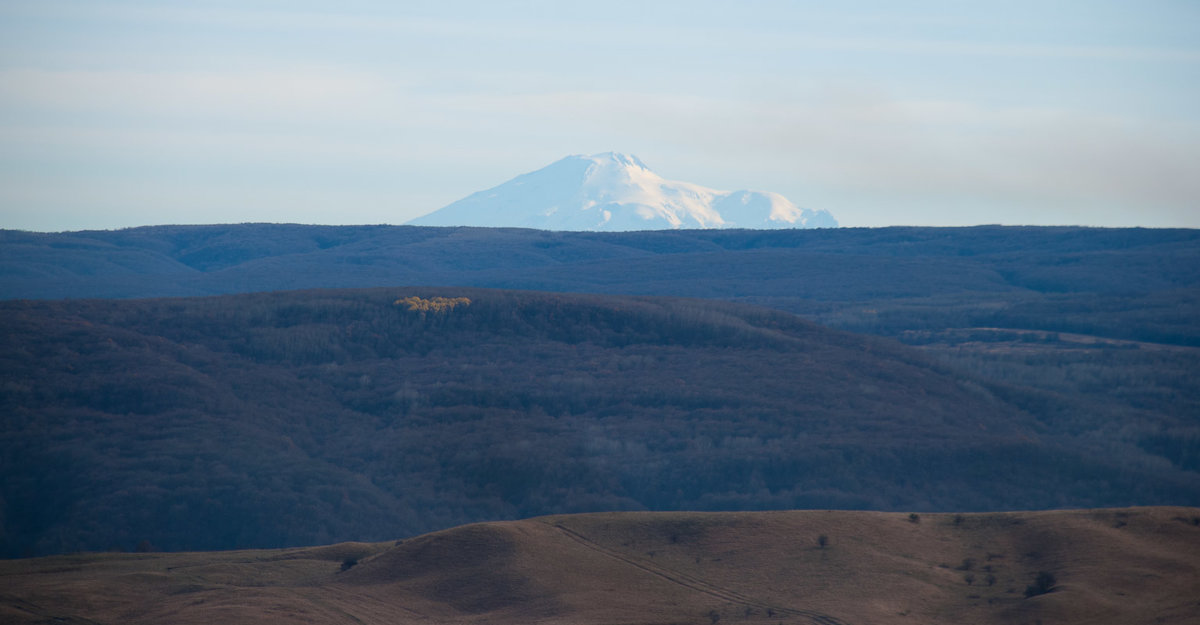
616	192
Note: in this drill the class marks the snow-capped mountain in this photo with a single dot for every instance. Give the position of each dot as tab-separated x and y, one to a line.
613	191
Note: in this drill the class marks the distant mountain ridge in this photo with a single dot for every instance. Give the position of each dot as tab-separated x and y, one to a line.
618	192
860	279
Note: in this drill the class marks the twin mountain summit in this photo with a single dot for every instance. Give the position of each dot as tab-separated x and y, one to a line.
617	192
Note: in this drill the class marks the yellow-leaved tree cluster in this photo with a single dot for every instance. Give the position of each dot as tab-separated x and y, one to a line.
433	304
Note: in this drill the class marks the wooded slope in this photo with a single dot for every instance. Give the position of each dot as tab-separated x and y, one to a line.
1126	283
298	418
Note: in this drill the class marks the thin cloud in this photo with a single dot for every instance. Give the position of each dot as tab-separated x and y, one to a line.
936	106
936	148
280	93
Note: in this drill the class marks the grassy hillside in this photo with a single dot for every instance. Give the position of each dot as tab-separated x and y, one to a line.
1115	566
307	417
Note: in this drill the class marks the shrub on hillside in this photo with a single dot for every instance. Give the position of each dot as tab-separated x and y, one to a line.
1043	584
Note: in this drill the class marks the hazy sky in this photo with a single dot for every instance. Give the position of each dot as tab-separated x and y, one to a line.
118	114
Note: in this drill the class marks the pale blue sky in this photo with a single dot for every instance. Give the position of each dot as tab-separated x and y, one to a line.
117	114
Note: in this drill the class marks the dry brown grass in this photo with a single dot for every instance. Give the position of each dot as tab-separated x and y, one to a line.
1129	566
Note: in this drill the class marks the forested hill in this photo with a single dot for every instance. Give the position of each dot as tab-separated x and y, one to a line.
296	418
1133	284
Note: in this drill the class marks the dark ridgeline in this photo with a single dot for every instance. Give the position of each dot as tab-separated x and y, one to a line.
1123	283
1128	283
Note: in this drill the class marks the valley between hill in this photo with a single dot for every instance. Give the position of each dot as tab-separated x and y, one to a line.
1113	566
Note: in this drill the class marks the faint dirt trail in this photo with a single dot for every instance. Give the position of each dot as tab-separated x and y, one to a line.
22	605
370	606
697	584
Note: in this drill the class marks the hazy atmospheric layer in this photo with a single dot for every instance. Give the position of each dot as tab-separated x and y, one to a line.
135	112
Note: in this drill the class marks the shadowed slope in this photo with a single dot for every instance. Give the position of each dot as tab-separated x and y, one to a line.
295	418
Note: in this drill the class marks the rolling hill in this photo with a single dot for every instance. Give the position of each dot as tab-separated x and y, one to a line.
1115	566
297	418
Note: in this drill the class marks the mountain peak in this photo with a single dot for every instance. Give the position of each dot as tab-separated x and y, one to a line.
614	158
616	191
